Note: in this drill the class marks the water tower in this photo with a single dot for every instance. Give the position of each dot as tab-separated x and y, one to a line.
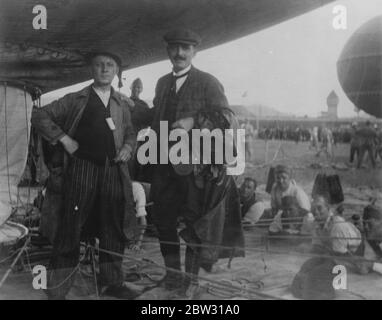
332	101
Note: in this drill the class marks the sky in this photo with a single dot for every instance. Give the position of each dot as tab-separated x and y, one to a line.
290	67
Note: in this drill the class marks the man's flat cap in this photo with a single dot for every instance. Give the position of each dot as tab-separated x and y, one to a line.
106	53
185	36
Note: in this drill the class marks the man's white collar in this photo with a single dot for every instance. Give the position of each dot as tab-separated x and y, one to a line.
181	72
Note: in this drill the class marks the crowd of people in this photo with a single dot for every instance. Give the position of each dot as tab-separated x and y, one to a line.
293	133
363	138
297	133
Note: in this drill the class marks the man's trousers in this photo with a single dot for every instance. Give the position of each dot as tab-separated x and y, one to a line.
371	153
93	207
175	196
354	151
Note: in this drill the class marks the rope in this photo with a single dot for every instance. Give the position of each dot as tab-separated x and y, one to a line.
9	257
6	140
28	142
230	286
26	114
75	269
92	253
25	249
15	261
277	236
257	250
243	289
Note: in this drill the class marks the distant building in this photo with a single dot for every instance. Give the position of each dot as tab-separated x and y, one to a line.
332	102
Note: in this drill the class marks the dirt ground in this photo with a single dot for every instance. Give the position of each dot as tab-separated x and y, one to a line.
267	269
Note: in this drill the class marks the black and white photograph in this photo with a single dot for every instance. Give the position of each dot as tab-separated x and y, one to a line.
208	151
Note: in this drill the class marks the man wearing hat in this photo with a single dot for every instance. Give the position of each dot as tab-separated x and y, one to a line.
89	188
179	97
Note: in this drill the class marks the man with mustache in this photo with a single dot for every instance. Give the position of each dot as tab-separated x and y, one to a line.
179	97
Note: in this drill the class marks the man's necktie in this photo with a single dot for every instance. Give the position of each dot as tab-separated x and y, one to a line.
173	81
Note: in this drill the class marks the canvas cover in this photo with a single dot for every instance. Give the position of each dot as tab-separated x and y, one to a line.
15	113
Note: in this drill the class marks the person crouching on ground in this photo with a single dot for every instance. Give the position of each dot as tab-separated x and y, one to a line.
286	186
333	234
372	220
292	219
252	209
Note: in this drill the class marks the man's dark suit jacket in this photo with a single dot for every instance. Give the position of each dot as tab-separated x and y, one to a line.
200	91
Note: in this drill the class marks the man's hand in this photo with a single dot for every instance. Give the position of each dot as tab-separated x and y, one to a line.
124	154
69	144
185	123
292	231
136	248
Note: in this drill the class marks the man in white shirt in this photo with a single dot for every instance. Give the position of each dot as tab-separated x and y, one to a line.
333	233
286	186
337	236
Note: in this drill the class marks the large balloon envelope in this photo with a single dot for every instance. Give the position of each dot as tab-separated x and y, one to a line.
359	67
55	58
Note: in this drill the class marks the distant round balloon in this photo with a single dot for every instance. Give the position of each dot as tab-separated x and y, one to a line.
359	67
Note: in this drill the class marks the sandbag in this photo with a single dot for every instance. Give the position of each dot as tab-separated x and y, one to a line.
314	281
335	189
329	187
320	187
